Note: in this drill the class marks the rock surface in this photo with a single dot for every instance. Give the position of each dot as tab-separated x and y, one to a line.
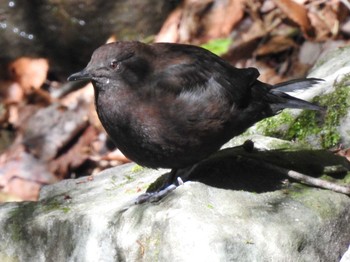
316	129
96	220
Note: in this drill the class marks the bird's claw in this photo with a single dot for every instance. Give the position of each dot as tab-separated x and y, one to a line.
156	196
180	181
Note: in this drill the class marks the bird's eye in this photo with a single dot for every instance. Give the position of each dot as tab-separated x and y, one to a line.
114	65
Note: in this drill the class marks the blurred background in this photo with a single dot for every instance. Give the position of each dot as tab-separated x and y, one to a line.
49	130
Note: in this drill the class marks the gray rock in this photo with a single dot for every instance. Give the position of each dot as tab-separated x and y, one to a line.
309	127
346	257
96	220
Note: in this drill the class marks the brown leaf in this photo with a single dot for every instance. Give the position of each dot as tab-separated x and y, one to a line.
201	21
247	41
29	72
75	156
169	31
22	175
241	50
218	23
325	21
275	45
52	129
298	14
14	94
116	155
11	95
23	189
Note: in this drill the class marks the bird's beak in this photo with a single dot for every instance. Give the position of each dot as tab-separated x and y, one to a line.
82	75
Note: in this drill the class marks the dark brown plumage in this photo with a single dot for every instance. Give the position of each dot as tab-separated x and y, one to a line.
171	105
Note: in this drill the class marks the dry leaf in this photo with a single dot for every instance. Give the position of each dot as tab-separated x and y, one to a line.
113	38
23	189
298	14
116	155
201	21
75	156
275	45
29	72
22	175
218	23
325	21
14	94
169	31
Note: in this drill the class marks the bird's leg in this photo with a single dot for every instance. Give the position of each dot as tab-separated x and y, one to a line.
171	182
177	177
151	197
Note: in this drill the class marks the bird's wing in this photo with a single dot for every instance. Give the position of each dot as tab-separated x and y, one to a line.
189	68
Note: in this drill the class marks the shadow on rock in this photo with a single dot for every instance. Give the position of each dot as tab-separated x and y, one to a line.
250	170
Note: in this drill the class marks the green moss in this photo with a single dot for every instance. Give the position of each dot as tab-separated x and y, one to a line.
114	184
304	126
54	204
65	209
23	215
129	178
249	242
16	222
158	183
210	206
313	125
317	200
136	169
218	46
275	126
51	205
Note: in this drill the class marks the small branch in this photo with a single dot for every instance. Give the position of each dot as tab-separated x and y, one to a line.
305	178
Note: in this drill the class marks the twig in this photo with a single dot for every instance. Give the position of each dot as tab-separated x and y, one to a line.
305	178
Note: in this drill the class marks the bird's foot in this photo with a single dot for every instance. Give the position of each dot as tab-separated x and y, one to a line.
152	197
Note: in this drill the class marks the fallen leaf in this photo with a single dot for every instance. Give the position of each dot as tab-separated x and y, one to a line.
218	23
169	31
116	155
14	93
325	21
23	189
52	129
29	72
275	45
21	174
200	21
298	14
75	156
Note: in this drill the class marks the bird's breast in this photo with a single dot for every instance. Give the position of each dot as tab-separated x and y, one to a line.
165	131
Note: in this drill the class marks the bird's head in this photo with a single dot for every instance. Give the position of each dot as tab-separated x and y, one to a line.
120	61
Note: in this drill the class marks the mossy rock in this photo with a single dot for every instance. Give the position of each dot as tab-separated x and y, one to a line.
316	129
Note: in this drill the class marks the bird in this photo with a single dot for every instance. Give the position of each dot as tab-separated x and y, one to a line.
170	105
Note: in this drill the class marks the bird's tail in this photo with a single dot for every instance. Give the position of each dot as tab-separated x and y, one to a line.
282	100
